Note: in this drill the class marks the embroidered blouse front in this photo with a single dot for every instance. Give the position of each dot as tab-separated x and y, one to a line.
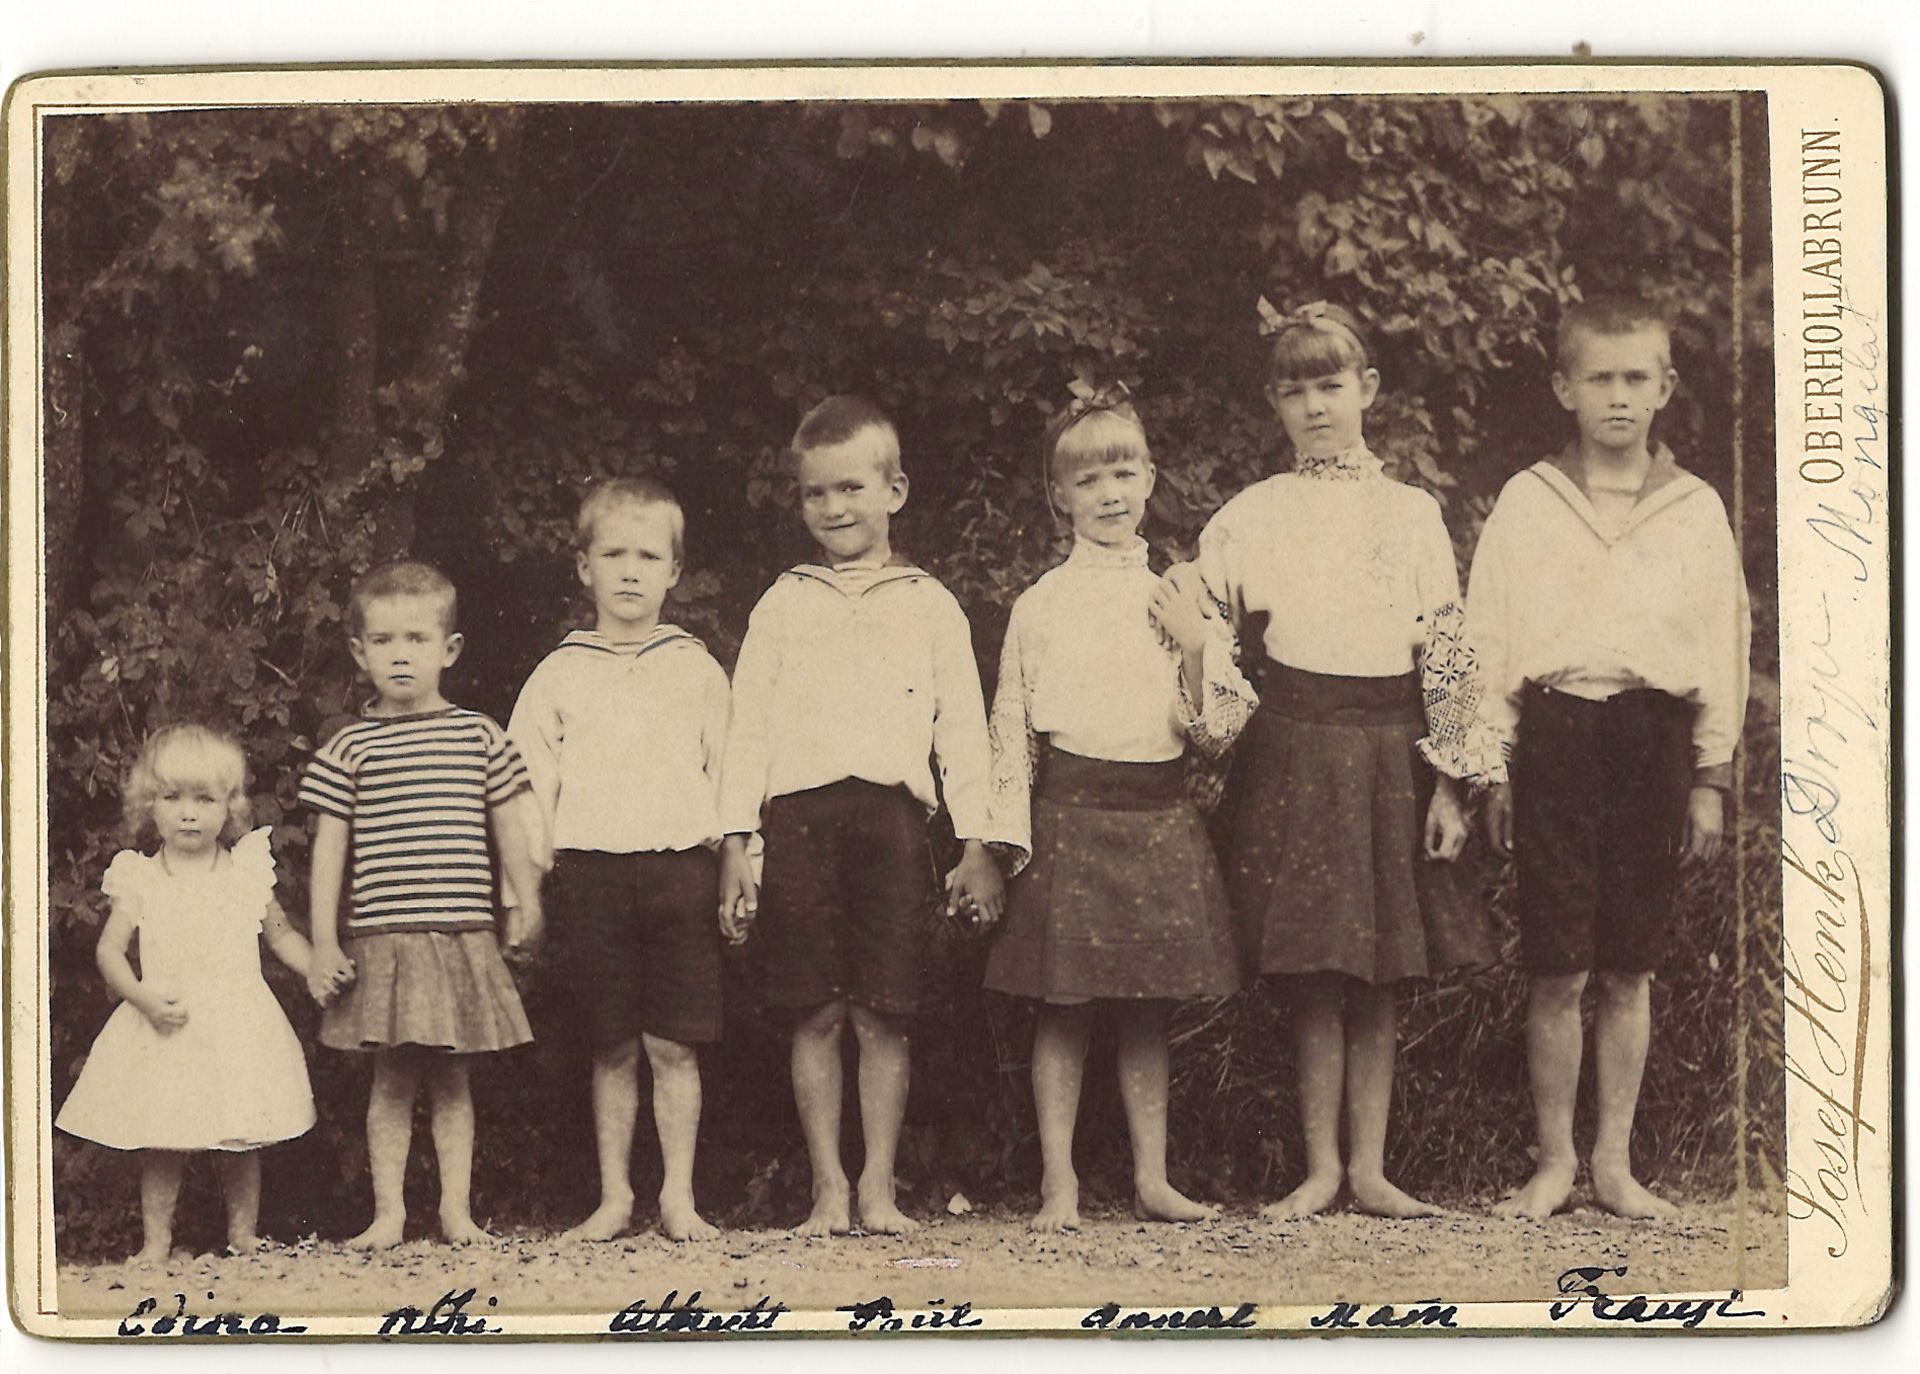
1356	576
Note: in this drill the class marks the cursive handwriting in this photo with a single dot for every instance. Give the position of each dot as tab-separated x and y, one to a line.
181	1322
673	1316
1345	1316
1820	1000
1110	1318
877	1314
447	1317
1584	1280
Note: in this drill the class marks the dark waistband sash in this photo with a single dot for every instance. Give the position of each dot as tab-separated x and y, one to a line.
1326	699
1076	780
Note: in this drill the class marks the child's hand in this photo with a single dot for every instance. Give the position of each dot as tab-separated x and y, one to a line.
526	927
976	887
1181	614
1446	823
739	899
1706	823
1499	818
329	971
164	1011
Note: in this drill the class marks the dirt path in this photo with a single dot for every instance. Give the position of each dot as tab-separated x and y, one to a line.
989	1261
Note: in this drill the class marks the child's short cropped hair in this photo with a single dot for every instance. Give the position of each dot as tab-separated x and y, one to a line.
182	756
616	493
1608	316
404	577
840	418
1318	340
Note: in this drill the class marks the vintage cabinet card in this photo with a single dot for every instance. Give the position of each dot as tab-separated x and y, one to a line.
1374	579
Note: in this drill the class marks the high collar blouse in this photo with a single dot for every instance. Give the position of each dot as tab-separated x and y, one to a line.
1085	668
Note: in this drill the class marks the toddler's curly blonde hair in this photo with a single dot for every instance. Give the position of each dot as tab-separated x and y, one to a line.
187	755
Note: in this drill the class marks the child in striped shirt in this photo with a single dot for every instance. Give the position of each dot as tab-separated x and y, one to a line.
412	789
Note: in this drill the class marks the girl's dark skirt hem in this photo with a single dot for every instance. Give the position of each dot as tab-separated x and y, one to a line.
1123	898
1325	864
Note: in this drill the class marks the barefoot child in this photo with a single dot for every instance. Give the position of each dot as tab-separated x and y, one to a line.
199	1055
1106	675
622	728
411	789
1348	818
1611	611
854	673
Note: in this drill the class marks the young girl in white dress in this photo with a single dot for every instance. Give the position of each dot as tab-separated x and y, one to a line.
1346	811
199	1055
1105	679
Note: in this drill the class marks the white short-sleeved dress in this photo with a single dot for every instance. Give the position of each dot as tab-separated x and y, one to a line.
234	1076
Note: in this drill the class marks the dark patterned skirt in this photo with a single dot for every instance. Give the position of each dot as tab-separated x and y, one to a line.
1123	897
434	989
1324	867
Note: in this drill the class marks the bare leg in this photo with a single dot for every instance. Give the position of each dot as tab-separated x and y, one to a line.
1553	1066
616	1104
816	1093
1622	1025
160	1172
1372	1019
885	1061
239	1172
1319	1046
453	1147
1059	1061
676	1117
396	1078
1141	1051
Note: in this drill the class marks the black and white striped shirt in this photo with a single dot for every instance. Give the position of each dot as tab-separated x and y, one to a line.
415	791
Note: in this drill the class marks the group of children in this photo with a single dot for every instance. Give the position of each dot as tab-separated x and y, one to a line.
1588	696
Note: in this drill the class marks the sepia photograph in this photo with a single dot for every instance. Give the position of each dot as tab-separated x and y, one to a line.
992	698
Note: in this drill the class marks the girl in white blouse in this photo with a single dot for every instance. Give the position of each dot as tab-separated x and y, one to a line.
1106	676
1346	814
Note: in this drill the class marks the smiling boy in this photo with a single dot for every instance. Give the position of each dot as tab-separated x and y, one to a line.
1611	613
855	671
622	728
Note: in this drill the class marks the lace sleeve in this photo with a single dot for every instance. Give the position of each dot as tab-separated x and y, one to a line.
1226	699
1459	742
1016	755
253	867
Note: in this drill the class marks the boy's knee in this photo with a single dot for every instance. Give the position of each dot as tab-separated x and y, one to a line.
618	1056
827	1019
1557	990
869	1024
1623	985
670	1056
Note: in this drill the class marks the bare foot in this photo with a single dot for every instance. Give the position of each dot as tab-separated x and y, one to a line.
609	1219
680	1221
879	1214
1059	1208
1161	1201
247	1243
152	1255
1313	1196
459	1228
1542	1195
832	1212
1382	1199
384	1234
1616	1189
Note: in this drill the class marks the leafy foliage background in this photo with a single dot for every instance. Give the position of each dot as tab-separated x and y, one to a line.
282	344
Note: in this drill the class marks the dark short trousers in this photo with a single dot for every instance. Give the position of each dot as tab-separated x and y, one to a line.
1599	812
639	939
845	897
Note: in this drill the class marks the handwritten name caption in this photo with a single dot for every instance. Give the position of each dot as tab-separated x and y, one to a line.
181	1322
1582	1284
673	1317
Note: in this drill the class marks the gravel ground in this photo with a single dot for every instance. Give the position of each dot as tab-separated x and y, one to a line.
989	1261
